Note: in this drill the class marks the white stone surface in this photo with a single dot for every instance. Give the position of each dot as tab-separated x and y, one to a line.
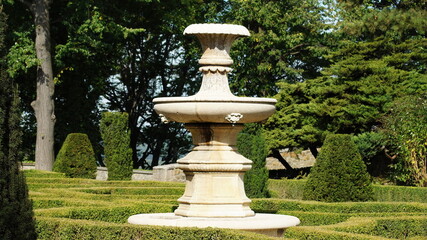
216	28
168	173
214	102
190	110
270	224
137	175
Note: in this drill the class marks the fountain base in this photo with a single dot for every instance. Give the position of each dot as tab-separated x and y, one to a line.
267	224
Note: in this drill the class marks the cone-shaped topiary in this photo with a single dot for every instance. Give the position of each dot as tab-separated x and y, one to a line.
118	154
339	173
76	158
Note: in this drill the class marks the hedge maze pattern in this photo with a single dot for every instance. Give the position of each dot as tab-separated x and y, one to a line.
73	208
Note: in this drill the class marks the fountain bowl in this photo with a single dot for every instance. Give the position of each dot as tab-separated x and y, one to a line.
232	110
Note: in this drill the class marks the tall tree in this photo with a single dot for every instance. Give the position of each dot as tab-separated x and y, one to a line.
286	44
44	104
16	215
378	59
159	61
85	47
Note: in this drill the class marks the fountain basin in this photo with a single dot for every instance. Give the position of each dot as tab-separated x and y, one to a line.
269	224
193	110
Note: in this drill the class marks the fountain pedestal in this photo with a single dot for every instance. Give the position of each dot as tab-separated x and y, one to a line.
214	172
214	194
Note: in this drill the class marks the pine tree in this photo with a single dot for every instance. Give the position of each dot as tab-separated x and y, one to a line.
16	214
339	174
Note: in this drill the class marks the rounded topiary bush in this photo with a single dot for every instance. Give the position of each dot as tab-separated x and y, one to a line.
118	154
76	157
339	173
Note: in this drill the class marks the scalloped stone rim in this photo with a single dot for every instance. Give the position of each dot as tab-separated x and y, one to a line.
215	28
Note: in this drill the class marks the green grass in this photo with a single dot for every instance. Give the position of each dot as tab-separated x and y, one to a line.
67	208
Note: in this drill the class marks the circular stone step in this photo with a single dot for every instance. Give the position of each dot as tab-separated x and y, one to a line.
268	224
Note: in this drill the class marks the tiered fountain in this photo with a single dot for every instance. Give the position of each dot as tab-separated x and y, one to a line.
214	194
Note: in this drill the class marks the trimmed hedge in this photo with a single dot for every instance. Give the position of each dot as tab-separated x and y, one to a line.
395	227
76	158
345	207
400	194
118	154
39	174
293	189
339	174
178	191
52	229
316	218
252	146
325	234
367	228
116	214
286	188
99	210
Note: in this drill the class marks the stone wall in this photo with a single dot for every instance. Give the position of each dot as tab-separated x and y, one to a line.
165	173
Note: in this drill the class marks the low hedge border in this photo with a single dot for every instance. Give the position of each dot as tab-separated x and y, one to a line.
366	228
135	190
293	189
346	207
61	229
389	227
325	234
118	214
316	218
47	181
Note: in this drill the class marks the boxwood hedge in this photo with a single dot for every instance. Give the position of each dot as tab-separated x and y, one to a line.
89	209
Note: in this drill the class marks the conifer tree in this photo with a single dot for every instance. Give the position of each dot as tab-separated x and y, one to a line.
16	214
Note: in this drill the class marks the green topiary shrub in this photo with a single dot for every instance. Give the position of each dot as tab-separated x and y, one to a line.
251	144
76	158
118	154
339	173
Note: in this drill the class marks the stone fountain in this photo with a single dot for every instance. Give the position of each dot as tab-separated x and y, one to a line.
214	193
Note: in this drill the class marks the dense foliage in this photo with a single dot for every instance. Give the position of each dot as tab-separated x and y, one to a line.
251	144
116	138
406	129
287	43
76	157
16	213
379	56
339	174
372	149
334	67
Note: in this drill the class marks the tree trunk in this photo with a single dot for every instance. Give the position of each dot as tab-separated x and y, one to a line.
44	105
